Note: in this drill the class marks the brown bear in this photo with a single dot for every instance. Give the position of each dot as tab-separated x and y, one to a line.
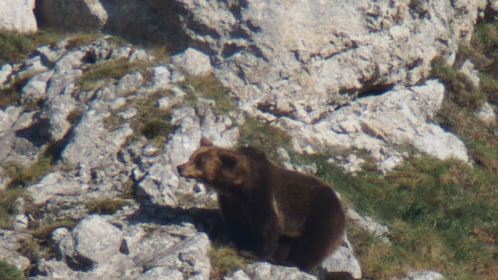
283	216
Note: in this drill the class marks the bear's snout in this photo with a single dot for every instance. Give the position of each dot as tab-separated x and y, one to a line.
187	170
180	168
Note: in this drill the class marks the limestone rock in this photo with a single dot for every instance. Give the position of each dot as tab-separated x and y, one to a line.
35	89
193	62
368	124
129	83
56	270
469	70
369	225
170	250
57	110
5	71
161	273
92	144
263	270
422	275
9	246
341	263
54	184
327	52
487	114
96	239
238	275
18	15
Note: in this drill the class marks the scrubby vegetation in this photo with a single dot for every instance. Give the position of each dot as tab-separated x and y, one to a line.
7	206
107	69
208	87
9	272
150	121
15	46
106	206
225	260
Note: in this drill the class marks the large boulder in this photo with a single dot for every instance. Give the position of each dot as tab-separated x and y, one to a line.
17	15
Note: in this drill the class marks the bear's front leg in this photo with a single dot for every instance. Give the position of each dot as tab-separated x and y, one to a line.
237	221
268	235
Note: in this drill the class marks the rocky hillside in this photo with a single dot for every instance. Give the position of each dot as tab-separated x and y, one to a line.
374	97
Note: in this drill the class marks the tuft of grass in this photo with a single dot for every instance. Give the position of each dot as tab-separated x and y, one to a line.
42	231
7	206
210	88
15	46
151	121
483	51
106	206
74	116
263	135
10	95
10	272
38	247
225	260
107	69
460	88
378	259
80	39
25	175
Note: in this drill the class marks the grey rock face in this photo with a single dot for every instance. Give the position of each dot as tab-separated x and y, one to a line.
328	52
368	124
54	184
18	16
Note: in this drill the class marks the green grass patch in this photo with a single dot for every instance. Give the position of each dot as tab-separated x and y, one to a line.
210	88
107	69
459	87
81	39
7	206
38	247
226	260
15	46
42	231
263	135
25	175
441	215
106	206
151	121
10	95
10	272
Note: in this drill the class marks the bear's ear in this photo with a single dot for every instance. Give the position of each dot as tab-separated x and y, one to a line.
228	158
206	142
233	167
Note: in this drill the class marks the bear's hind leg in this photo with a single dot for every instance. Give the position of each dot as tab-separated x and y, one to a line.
323	232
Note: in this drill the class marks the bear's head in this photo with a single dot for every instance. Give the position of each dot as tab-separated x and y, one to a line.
218	167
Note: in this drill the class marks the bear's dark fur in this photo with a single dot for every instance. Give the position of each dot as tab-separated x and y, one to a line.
284	216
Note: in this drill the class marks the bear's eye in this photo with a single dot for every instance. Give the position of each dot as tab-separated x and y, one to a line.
199	162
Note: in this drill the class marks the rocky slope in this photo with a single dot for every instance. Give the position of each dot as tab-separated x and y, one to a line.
335	76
